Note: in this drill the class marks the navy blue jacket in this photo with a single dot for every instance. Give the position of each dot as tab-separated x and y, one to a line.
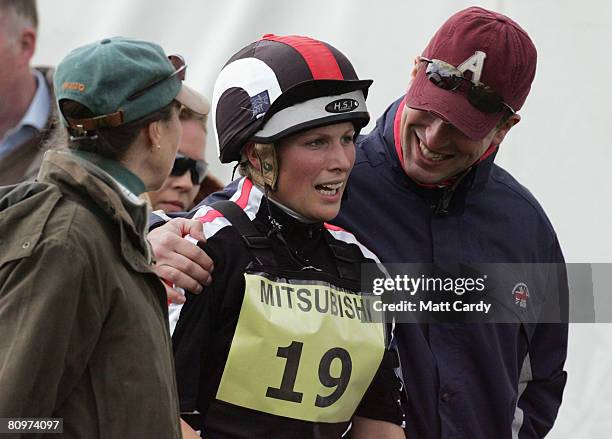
472	381
463	380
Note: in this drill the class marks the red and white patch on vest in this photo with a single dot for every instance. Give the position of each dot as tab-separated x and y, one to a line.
521	294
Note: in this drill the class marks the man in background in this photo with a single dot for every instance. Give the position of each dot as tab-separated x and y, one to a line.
26	101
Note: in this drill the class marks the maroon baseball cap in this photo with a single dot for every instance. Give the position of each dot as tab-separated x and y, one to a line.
508	66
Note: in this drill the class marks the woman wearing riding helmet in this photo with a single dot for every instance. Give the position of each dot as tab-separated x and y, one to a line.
282	344
82	314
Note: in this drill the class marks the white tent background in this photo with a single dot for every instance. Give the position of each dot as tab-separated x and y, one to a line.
559	150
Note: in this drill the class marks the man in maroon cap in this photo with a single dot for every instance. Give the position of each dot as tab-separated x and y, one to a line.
425	180
425	189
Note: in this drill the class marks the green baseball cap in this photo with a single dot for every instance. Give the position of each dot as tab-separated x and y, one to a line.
122	80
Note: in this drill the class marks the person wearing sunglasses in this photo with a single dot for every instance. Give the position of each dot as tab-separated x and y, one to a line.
83	316
427	173
189	180
426	190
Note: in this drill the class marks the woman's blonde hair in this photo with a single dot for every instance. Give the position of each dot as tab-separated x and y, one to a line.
186	114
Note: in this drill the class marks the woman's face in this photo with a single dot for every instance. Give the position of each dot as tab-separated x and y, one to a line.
170	132
314	167
178	192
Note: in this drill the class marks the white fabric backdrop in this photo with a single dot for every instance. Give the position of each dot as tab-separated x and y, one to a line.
559	150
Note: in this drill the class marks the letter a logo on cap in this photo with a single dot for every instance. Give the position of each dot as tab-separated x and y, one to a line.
473	64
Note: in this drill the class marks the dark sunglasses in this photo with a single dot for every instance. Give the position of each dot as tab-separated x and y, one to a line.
449	77
198	168
179	70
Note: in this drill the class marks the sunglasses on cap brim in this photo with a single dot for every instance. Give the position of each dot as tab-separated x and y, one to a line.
480	96
180	69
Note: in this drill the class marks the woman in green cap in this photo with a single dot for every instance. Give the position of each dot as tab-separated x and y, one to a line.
82	315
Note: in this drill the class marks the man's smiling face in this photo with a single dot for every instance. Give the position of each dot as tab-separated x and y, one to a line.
435	150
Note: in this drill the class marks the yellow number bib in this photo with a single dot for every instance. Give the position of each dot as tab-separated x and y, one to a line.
304	350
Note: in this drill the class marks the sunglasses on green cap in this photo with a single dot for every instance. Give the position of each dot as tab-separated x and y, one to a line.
180	69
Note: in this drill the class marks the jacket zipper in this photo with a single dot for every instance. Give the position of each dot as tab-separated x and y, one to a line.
441	207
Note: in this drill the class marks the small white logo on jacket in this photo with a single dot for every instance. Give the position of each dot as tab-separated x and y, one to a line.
521	294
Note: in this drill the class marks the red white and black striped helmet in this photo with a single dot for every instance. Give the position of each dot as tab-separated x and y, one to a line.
280	85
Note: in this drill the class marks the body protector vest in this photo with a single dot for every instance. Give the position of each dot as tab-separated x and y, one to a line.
307	344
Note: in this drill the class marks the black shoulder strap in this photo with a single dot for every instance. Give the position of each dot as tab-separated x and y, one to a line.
348	264
258	244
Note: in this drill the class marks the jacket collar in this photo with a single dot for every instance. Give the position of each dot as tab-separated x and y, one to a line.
80	177
387	128
120	173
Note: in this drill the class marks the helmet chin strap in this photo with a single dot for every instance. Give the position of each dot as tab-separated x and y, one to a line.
292	213
276	231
